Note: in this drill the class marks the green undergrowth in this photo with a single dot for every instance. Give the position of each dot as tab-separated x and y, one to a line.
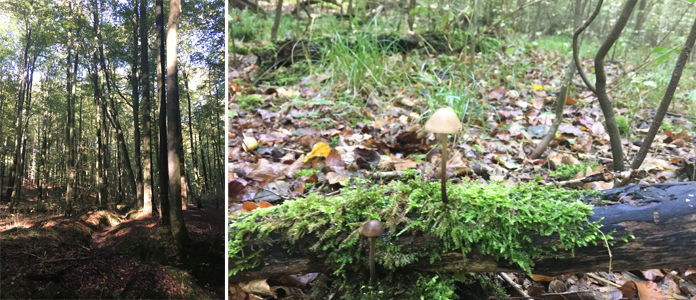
565	172
506	222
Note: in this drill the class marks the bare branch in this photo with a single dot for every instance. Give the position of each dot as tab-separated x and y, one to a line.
666	99
576	47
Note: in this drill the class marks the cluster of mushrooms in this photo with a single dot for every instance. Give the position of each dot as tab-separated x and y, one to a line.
443	122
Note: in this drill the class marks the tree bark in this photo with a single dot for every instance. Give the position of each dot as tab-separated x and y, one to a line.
194	153
174	139
146	179
136	111
162	167
666	99
276	21
662	220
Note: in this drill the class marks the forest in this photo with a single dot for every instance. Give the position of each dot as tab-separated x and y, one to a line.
503	149
111	165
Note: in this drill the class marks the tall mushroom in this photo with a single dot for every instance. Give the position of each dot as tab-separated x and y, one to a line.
371	230
444	121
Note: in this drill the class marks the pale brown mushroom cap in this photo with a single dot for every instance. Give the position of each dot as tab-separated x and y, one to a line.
372	228
444	120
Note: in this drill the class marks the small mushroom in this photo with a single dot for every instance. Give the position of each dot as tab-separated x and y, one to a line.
371	230
444	121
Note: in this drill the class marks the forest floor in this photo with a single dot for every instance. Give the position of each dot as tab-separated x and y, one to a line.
104	254
353	113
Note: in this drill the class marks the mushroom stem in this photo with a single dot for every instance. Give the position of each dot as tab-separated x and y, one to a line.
443	171
373	272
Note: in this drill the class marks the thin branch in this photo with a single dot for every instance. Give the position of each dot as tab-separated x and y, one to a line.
506	16
560	104
576	47
666	99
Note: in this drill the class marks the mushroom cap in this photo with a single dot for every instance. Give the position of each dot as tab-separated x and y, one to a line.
444	120
372	228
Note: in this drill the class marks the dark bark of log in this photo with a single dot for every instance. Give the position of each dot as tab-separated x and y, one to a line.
662	217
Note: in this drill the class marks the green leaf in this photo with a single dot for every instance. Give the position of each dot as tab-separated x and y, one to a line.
659	50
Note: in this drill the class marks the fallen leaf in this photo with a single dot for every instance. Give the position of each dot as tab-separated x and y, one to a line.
366	158
259	286
319	149
249	206
334	177
652	274
649	291
334	160
403	166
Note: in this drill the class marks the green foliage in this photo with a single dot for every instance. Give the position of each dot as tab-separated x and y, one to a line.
306	172
249	102
624	126
565	172
495	219
666	126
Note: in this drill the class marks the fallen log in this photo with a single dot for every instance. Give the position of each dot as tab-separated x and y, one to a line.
661	217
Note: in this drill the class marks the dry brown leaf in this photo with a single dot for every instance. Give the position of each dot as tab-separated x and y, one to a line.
295	166
249	206
263	172
403	166
334	160
334	177
236	293
629	290
649	291
541	278
264	204
652	274
259	286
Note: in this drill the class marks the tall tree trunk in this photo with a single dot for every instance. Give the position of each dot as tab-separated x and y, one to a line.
136	111
100	174
193	144
174	140
219	158
163	168
15	179
146	180
276	21
112	114
206	185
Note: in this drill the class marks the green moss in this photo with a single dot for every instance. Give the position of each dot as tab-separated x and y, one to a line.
498	220
306	172
565	172
249	102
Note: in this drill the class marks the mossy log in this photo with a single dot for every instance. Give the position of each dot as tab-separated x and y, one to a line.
661	217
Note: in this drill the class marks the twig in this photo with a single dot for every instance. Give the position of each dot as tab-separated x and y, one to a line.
602	280
576	47
514	285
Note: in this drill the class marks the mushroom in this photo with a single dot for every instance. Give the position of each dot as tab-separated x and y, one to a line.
371	230
444	121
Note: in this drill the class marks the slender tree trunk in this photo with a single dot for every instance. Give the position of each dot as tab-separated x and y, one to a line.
101	187
193	144
146	179
163	168
15	179
206	185
666	99
276	21
113	118
136	111
174	140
